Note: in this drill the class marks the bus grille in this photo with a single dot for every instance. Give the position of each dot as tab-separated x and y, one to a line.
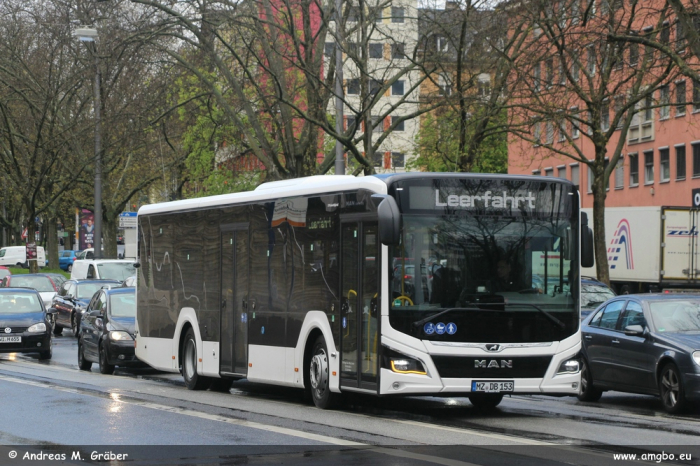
492	367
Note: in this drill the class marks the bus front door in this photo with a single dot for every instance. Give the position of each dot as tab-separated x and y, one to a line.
233	358
360	264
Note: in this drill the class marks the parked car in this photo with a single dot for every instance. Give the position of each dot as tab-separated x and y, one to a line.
130	281
593	294
66	258
17	256
107	331
26	323
648	343
4	272
41	282
72	300
57	278
113	269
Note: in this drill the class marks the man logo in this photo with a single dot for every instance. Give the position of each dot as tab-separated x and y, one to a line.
493	364
493	347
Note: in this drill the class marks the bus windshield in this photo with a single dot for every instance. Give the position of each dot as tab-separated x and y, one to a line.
494	278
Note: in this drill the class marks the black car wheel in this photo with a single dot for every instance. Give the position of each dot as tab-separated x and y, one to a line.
83	363
70	268
485	401
319	377
57	330
671	389
74	325
588	392
193	381
105	367
46	355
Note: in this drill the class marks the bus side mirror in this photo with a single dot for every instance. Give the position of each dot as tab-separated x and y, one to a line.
389	219
587	259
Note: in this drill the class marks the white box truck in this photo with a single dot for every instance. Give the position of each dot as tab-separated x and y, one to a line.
651	248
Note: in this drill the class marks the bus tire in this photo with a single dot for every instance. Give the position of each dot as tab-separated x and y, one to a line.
193	381
221	385
485	401
319	377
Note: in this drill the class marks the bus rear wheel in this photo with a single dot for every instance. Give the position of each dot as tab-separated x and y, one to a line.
486	401
193	381
319	377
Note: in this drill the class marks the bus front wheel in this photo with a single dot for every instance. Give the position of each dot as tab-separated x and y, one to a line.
193	381
319	377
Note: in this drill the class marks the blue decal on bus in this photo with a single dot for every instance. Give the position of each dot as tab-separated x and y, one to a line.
244	317
262	330
429	328
345	322
451	328
439	328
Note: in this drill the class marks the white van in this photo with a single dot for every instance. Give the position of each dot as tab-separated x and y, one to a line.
114	269
12	256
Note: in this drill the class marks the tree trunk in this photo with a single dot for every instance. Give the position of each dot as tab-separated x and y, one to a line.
31	238
600	244
109	234
52	243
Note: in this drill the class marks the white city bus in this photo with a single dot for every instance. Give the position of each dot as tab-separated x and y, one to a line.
405	284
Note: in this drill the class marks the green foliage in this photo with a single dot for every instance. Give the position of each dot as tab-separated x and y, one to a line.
438	144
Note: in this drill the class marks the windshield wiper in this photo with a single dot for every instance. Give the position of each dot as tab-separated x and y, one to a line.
554	320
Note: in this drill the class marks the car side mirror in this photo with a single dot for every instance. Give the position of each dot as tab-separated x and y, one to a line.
137	265
634	330
69	296
51	310
95	313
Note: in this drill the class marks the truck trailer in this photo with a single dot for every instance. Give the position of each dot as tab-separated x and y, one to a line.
651	249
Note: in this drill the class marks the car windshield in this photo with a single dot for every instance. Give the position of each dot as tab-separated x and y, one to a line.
38	283
594	295
116	270
19	303
123	305
87	290
676	315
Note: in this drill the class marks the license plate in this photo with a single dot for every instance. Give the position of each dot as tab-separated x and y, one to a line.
492	387
11	339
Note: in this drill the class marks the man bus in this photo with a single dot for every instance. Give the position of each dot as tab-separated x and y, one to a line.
385	285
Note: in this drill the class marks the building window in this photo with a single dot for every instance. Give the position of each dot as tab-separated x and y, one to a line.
536	172
590	179
397	88
374	87
680	162
441	44
536	132
561	171
397	51
328	49
549	128
619	103
354	14
444	85
649	108
562	131
605	117
634	54
680	37
377	125
665	34
353	86
680	98
696	95
378	159
591	65
399	126
634	169
397	14
350	122
549	72
648	50
574	175
574	123
664	165
548	172
536	77
665	109
649	167
398	159
377	13
696	160
575	65
484	87
620	173
376	50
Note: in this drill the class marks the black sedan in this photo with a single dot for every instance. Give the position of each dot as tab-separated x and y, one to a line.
107	331
25	326
71	301
647	344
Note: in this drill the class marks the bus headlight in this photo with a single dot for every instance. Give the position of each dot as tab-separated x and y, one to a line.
119	336
407	366
569	367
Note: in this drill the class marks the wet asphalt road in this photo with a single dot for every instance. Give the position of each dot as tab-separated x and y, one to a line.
53	403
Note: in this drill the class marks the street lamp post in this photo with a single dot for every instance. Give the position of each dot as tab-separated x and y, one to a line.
89	35
339	159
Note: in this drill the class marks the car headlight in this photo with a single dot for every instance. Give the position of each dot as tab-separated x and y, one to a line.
40	327
570	366
696	357
118	335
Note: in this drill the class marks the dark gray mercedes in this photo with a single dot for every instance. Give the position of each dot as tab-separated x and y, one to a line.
647	344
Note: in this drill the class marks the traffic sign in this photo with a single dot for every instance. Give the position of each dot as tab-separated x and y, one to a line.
696	197
128	220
